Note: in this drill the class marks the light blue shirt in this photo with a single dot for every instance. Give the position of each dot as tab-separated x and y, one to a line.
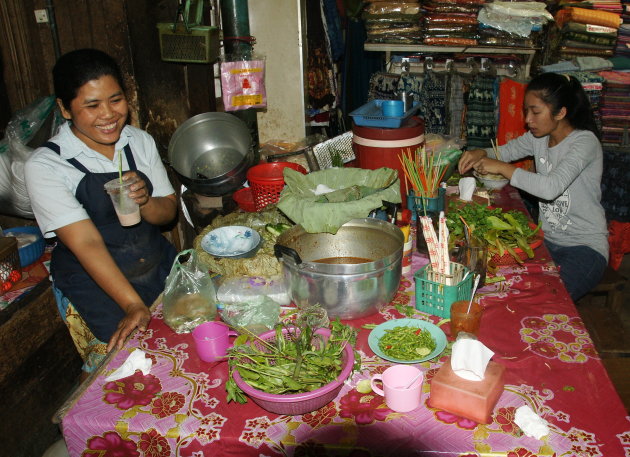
51	181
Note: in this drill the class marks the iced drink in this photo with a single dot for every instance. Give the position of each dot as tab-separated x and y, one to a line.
126	208
463	319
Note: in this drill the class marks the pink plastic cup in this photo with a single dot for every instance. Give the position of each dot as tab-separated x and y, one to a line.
212	340
399	395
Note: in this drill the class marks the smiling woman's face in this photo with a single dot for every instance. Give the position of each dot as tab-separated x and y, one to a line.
98	114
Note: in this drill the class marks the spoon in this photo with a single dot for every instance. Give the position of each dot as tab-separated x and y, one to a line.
472	295
413	380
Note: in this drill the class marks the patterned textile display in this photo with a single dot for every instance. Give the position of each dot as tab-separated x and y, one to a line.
593	85
616	183
179	408
433	102
615	108
480	112
393	22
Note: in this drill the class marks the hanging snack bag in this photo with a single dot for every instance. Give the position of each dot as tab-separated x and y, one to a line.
243	83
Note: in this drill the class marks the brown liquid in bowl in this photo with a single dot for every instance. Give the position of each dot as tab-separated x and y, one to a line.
343	260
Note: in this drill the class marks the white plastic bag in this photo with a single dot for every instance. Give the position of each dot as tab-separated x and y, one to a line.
189	296
14	152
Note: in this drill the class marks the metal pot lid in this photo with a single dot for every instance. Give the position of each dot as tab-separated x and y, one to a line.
209	146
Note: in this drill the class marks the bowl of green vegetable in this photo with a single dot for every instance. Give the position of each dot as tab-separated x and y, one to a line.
407	340
323	367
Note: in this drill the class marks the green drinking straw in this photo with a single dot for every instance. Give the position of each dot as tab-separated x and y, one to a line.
120	167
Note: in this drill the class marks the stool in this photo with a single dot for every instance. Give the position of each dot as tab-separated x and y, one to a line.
612	285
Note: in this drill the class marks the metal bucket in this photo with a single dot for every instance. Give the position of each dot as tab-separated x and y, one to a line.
349	290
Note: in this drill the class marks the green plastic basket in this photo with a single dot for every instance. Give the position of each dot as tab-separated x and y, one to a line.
433	297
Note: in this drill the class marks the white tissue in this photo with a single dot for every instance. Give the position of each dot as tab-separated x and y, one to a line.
137	360
470	359
466	188
322	189
531	423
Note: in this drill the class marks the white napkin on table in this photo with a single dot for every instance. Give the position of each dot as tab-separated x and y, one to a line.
137	360
531	423
470	358
467	188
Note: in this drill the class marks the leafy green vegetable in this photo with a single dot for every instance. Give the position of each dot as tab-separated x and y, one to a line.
406	343
504	231
299	360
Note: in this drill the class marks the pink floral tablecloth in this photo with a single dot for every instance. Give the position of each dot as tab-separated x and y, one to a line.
531	324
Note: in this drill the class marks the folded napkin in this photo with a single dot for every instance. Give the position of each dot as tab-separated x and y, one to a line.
531	423
137	360
466	188
470	358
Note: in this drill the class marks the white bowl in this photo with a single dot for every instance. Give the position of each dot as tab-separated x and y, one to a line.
491	181
233	241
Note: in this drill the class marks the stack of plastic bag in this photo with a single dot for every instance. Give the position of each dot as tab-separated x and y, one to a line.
451	22
393	21
513	23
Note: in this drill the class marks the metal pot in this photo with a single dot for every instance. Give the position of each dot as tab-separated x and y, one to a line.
211	153
349	290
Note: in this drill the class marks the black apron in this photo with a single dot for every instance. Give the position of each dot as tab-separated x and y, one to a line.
141	252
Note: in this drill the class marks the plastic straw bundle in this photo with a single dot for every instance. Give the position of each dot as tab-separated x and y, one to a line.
423	171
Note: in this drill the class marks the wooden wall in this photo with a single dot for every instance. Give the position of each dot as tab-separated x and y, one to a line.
162	94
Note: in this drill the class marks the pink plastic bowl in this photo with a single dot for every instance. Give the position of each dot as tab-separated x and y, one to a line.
296	404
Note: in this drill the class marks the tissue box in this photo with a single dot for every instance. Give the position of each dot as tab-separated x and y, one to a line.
474	400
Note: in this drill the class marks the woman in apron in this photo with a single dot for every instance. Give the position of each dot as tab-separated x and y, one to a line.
104	274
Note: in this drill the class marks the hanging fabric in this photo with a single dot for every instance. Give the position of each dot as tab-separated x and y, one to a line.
456	87
480	112
511	117
383	86
433	102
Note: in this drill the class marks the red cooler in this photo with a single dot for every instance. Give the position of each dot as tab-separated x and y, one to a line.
382	147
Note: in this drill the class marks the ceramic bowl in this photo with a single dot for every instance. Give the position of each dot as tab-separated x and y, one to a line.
232	241
491	181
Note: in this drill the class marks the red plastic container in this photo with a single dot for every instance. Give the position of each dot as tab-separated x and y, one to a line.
382	147
267	181
245	199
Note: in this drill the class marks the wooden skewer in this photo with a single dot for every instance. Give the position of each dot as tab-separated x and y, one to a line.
495	148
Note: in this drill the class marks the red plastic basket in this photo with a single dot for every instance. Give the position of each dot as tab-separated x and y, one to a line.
296	404
507	259
267	181
245	199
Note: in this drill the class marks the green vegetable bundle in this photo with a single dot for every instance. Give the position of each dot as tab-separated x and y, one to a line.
299	360
504	231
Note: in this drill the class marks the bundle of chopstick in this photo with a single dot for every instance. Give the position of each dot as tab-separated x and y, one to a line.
423	171
495	149
438	250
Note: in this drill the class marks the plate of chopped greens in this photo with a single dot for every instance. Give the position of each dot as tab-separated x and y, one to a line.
407	340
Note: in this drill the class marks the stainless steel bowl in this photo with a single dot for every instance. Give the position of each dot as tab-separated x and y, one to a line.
211	153
347	291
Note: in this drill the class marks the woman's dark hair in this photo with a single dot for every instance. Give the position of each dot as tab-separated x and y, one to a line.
558	90
76	68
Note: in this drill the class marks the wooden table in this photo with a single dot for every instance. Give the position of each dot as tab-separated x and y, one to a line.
529	322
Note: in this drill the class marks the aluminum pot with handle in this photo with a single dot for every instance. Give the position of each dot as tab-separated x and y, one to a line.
211	153
345	290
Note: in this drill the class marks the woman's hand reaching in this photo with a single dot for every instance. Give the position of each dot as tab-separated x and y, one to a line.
469	159
137	316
